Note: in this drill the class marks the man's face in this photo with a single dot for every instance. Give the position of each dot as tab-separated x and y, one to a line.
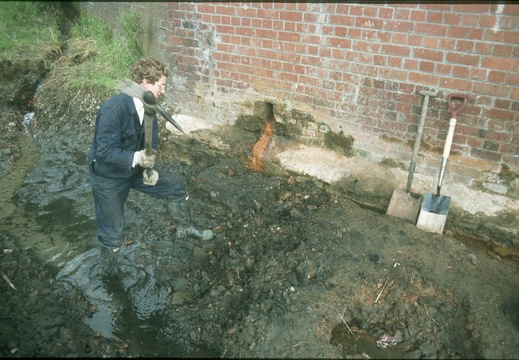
157	88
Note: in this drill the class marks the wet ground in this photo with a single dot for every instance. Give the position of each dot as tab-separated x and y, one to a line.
296	268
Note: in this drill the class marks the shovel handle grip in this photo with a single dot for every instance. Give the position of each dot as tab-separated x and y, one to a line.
455	112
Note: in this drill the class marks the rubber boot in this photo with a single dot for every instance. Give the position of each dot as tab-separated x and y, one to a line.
182	216
108	260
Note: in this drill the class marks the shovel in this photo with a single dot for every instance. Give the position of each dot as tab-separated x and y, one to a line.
404	204
435	207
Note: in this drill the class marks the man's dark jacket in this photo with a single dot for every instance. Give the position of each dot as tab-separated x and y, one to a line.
118	135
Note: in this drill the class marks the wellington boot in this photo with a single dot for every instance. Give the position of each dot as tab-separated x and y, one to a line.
182	216
108	260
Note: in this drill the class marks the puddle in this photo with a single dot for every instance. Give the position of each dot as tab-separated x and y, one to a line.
45	218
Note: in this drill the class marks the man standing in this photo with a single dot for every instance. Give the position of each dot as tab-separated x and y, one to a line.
118	162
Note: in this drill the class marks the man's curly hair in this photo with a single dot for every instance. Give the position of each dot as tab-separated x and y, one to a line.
149	69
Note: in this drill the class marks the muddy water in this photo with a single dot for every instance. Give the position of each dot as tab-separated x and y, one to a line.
48	208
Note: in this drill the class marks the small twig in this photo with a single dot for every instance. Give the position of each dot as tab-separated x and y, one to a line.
385	283
430	317
8	281
344	321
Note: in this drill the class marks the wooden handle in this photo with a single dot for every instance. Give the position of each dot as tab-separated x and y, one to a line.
448	141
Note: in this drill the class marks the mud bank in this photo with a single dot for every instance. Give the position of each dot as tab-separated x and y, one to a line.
296	270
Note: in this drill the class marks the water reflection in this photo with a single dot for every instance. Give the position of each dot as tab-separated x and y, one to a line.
52	214
128	304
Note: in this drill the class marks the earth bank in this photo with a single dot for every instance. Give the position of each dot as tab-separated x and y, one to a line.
296	269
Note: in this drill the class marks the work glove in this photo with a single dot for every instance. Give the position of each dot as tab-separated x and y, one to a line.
150	180
140	158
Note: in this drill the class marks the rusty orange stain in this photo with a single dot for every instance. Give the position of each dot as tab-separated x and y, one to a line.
258	150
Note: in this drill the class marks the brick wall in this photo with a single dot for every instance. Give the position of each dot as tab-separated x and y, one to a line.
356	67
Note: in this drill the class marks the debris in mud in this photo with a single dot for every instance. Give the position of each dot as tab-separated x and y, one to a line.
387	340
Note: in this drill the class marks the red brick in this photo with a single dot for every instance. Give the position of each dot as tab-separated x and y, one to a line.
431	42
395	50
472	8
470	20
461	58
465	46
451	18
491	89
354	33
339	43
206	8
418	15
267	44
495	114
511	9
411	64
432	29
503	104
342	19
456	84
398	38
290	16
484	48
496	76
402	14
460	71
447	44
511	37
511	23
512	79
443	69
499	63
488	21
504	50
474	142
434	17
386	13
465	32
426	66
428	54
425	79
268	34
338	54
267	14
478	73
414	40
246	12
395	62
402	26
379	60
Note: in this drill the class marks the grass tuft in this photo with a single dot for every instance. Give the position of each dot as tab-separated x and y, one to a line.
28	27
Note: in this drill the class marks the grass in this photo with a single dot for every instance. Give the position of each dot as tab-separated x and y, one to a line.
109	55
96	56
21	20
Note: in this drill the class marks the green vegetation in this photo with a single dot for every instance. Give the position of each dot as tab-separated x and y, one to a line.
105	56
28	27
95	56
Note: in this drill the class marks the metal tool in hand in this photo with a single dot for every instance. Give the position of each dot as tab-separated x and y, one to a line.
149	112
131	88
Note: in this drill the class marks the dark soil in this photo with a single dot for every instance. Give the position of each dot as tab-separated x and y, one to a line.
296	269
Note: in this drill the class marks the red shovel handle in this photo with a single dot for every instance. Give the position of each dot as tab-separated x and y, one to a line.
455	112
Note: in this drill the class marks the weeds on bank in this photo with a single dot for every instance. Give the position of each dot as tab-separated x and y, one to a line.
102	56
95	56
28	27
